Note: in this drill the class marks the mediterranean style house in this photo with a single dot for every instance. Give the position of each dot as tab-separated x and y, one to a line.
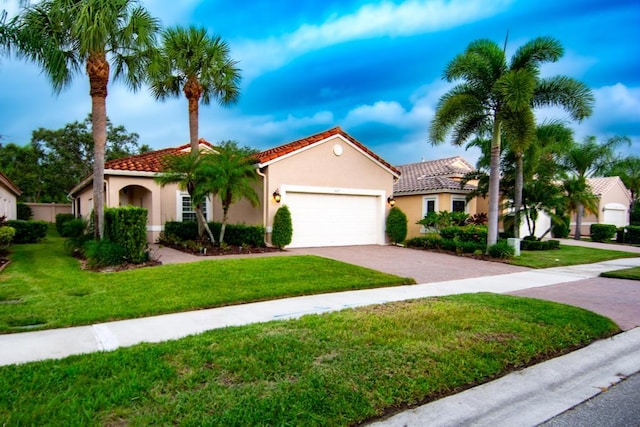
335	187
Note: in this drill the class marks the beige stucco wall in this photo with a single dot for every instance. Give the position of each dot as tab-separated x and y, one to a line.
319	166
617	195
7	202
48	211
412	206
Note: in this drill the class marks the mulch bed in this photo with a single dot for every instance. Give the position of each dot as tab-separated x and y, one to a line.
206	249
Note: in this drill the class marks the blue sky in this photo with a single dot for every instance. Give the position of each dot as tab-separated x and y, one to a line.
373	68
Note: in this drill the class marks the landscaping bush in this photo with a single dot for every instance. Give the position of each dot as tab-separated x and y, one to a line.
6	236
632	234
240	234
635	214
602	232
179	231
469	247
28	231
74	228
561	229
23	212
501	250
467	233
61	220
127	227
397	225
444	219
282	231
430	241
104	253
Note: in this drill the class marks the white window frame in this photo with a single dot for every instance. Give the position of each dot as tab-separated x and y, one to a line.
456	198
180	195
425	200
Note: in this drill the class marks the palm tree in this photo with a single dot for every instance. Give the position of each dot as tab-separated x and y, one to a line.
584	160
628	169
62	36
191	61
186	170
231	177
494	93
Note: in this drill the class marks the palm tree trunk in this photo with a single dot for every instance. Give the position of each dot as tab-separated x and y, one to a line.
579	213
202	220
193	91
494	186
98	72
225	210
517	196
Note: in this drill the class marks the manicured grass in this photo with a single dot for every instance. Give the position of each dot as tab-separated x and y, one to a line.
627	273
45	288
567	255
337	369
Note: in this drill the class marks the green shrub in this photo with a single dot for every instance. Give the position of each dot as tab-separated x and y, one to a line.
6	236
104	253
444	219
501	250
282	231
467	233
635	214
469	247
175	230
397	225
61	220
28	231
23	212
539	245
127	227
430	241
633	234
561	229
74	228
240	234
602	232
448	245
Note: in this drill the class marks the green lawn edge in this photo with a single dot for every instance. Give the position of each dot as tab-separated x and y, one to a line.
567	255
340	368
632	273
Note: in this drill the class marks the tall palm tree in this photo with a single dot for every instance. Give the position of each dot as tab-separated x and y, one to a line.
186	170
493	95
232	175
192	62
62	36
582	161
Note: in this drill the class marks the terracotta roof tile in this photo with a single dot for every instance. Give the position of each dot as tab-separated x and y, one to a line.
601	185
433	175
277	152
149	162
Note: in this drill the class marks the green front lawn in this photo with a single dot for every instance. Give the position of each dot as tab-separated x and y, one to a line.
627	273
45	288
567	255
339	368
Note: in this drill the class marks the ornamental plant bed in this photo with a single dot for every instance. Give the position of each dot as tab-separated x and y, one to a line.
205	248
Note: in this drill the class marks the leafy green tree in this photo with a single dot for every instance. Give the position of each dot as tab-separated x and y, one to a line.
628	169
192	62
582	161
493	93
62	36
231	175
186	170
23	166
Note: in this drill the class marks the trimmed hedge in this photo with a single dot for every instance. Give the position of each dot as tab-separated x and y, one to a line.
467	233
61	220
561	230
24	212
397	225
235	234
28	231
628	234
126	227
282	231
539	245
602	232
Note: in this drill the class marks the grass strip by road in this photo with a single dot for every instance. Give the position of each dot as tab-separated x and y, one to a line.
339	368
567	255
44	288
632	273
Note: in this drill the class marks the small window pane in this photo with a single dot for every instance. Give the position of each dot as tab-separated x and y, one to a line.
458	206
188	212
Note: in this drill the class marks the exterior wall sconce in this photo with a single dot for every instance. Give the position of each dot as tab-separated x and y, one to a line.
391	201
276	196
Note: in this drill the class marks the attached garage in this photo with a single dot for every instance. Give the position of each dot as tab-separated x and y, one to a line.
335	216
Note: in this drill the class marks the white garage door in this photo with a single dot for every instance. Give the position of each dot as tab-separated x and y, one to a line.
334	219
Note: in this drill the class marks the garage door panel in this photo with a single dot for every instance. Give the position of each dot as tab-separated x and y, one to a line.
334	219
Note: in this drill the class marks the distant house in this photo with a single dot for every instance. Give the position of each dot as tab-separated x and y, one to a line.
614	201
335	187
9	194
434	186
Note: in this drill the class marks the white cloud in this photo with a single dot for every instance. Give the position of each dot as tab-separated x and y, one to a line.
385	19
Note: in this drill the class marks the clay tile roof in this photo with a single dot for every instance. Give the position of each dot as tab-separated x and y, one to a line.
599	186
277	152
433	175
149	162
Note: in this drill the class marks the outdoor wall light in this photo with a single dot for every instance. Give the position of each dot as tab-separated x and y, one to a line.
276	196
391	201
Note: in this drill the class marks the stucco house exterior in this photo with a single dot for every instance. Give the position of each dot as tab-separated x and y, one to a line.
335	187
9	194
614	202
434	186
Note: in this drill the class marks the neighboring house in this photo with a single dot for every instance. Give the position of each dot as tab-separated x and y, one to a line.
9	194
335	188
434	186
614	201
